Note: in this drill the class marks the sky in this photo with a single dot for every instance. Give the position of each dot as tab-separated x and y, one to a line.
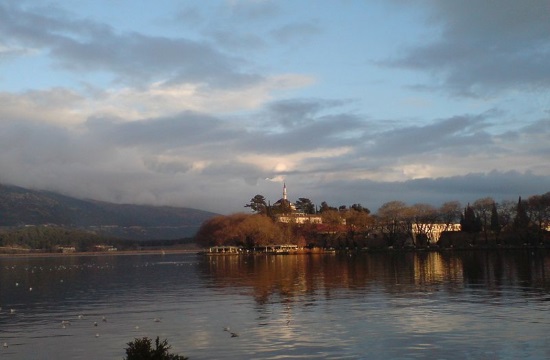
205	104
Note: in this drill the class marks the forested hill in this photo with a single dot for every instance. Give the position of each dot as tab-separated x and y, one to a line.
20	206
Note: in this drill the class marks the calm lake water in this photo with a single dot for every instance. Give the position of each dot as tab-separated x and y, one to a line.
455	305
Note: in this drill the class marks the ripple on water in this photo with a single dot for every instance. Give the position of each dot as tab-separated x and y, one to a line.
333	308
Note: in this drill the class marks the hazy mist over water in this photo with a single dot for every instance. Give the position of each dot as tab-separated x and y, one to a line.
455	305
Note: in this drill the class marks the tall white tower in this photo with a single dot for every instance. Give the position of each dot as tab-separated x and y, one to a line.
284	191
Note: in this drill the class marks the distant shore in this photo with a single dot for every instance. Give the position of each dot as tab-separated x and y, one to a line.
100	253
36	253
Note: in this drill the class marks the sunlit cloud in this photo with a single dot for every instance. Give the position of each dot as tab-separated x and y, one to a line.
176	104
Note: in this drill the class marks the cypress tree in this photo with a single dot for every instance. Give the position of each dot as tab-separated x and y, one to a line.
521	221
495	222
470	222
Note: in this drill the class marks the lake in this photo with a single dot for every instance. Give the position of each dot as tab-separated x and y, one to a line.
447	305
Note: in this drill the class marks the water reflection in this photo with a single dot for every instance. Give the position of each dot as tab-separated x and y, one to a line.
288	277
451	305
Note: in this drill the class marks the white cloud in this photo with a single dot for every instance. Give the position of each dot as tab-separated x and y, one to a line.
178	118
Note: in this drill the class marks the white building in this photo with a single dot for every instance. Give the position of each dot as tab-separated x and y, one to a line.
299	218
289	214
433	231
283	203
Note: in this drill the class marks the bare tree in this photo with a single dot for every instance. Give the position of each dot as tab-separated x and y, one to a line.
358	220
239	229
331	217
506	210
449	213
483	208
392	220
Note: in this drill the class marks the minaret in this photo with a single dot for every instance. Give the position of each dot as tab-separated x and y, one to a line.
284	191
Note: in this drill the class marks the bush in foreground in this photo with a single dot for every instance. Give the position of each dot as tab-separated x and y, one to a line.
141	349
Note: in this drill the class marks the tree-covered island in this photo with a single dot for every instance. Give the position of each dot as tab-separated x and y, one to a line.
396	225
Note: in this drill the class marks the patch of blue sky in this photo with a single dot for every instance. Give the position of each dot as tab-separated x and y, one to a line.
349	62
30	72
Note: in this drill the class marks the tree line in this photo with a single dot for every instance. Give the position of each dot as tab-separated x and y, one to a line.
49	238
394	224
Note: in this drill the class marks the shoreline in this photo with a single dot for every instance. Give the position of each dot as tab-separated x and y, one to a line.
199	251
101	253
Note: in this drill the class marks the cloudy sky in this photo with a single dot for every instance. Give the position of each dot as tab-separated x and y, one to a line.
205	104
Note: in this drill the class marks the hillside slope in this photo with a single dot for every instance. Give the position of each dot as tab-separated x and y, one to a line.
20	206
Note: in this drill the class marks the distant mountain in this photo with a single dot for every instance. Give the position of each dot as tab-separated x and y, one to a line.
20	206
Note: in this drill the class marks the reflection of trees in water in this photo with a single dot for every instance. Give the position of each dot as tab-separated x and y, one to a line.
289	278
497	269
286	276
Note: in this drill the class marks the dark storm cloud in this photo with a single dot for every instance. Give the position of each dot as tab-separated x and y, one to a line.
132	57
486	46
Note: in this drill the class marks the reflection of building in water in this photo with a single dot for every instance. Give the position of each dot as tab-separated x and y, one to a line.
435	268
287	212
433	231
